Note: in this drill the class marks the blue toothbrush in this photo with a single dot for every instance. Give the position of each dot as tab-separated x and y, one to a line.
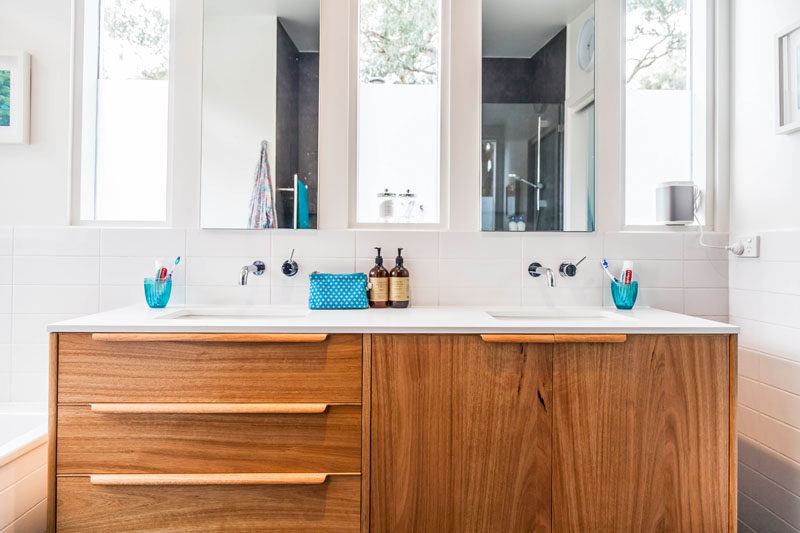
177	260
608	271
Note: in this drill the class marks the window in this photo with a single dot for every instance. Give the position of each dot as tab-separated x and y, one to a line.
667	102
124	110
399	93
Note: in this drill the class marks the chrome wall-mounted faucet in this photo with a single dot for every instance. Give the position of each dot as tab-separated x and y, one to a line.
536	270
257	268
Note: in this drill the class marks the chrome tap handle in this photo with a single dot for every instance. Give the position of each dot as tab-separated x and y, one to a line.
569	269
289	267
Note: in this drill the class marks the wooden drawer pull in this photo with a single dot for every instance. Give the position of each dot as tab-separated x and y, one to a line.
550	339
209	408
529	339
210	337
208	479
591	338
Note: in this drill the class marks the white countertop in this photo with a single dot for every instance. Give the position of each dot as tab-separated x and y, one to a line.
283	319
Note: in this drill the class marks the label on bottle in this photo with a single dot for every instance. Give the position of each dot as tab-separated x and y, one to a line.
398	289
379	292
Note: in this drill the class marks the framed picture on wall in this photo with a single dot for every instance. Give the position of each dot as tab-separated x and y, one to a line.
15	96
788	42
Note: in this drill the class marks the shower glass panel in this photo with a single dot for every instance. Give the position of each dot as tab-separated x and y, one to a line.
523	158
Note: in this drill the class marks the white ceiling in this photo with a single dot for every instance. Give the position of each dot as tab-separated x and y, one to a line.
299	17
519	28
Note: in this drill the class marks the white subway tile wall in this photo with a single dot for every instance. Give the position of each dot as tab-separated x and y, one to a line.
765	302
50	274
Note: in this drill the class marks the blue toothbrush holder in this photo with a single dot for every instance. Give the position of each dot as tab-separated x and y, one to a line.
624	295
157	292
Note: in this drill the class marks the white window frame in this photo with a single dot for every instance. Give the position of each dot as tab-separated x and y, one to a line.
83	80
714	209
444	128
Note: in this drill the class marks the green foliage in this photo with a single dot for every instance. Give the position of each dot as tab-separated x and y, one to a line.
399	41
5	97
657	44
142	30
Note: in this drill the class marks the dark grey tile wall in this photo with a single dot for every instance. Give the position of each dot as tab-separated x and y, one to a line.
286	146
308	128
507	81
539	79
297	123
549	67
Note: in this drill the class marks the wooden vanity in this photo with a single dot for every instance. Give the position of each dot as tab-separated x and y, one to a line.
391	432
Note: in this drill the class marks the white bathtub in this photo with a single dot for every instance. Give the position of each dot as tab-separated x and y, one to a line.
23	468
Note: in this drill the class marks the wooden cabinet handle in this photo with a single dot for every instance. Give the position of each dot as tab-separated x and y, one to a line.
209	408
605	338
529	339
210	337
550	339
210	479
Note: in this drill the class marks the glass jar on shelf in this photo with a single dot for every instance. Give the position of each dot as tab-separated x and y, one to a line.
387	206
408	209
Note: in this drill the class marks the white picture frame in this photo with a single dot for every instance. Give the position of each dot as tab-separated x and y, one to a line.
787	44
15	97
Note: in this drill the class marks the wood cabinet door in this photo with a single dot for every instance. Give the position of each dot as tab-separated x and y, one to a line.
641	434
461	434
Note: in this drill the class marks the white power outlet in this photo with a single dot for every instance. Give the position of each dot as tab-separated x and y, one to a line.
751	245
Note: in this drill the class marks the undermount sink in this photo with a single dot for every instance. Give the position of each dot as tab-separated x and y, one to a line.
545	314
237	313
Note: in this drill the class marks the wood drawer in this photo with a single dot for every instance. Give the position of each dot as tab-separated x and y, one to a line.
140	443
330	506
91	370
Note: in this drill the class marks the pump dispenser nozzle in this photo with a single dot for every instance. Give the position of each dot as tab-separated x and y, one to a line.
378	259
399	259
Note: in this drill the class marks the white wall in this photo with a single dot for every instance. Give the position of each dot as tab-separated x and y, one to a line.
33	177
577	113
765	166
239	111
765	292
580	83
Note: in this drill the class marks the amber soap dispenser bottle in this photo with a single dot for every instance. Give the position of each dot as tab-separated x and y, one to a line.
379	283
398	283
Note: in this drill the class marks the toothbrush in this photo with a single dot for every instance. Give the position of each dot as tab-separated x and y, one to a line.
177	260
607	271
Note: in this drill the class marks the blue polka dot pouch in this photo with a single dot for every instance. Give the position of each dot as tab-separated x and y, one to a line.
338	291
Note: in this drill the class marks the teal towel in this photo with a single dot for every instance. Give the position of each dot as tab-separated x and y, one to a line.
302	206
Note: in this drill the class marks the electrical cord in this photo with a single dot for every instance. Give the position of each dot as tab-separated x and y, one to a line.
735	249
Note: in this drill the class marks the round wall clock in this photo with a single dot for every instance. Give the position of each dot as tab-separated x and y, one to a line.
586	46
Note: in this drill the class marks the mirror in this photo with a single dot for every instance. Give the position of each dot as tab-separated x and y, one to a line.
260	114
538	119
